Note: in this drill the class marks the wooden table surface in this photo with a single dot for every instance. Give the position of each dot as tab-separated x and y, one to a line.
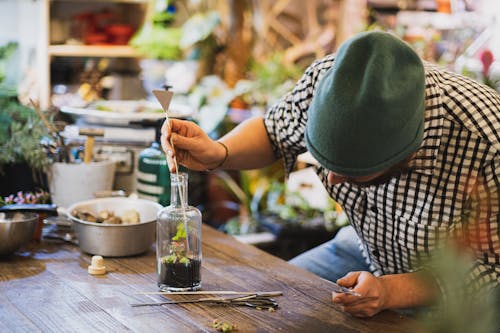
47	288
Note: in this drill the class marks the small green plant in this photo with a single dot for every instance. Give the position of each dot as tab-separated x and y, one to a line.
177	248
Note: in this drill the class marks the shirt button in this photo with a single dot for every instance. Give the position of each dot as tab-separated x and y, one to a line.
376	253
374	209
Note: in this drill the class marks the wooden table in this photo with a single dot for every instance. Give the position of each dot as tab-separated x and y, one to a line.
48	289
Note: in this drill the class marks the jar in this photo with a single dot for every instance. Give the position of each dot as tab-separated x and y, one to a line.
178	240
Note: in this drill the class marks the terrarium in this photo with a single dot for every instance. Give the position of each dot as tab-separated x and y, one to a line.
178	247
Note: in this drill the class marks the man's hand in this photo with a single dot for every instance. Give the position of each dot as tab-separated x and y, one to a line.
190	146
372	290
393	291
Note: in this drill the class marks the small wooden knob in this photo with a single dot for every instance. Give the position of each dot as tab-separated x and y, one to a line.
97	266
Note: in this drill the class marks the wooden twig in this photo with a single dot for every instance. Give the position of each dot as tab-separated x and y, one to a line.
35	106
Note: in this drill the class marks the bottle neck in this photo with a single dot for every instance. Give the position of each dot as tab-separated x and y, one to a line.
178	189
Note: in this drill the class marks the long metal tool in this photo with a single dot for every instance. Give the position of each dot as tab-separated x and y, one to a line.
212	292
254	301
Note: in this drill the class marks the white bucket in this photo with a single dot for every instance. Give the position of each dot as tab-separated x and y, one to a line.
70	183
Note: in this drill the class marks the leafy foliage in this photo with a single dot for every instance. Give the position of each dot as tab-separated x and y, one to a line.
181	232
5	52
158	42
464	309
261	195
273	78
20	132
198	28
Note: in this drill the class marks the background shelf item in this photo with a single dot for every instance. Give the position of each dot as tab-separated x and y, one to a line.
92	51
62	29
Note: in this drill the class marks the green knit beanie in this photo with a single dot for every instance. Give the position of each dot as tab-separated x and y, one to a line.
368	111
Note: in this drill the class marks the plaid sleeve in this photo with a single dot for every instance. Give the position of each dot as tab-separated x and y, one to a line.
483	230
286	121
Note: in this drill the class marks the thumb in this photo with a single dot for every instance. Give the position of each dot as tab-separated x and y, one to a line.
349	280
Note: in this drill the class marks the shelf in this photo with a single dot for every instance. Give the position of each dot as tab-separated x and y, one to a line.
92	51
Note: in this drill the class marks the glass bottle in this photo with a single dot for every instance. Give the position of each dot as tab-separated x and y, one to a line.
178	240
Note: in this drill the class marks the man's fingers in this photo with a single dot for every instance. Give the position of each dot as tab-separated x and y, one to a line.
360	310
165	144
181	142
349	280
345	299
171	164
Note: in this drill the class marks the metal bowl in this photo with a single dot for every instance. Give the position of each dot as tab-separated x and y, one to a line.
16	229
116	240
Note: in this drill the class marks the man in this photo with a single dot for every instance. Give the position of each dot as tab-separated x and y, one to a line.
410	151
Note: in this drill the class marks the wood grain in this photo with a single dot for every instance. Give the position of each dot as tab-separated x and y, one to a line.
47	288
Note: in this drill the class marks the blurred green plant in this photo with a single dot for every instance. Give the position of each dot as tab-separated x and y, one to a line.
211	96
263	193
155	41
199	39
271	79
463	310
158	38
291	207
247	202
199	28
6	52
20	133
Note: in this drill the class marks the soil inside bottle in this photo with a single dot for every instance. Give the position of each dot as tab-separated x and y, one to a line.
180	276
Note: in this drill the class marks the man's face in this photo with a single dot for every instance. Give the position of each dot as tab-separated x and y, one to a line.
378	178
363	181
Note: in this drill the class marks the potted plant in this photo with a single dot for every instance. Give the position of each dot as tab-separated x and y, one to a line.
266	205
245	202
22	159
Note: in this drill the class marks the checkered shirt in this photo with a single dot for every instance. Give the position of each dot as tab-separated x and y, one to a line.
452	188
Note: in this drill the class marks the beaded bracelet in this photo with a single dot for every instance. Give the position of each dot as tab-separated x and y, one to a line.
225	157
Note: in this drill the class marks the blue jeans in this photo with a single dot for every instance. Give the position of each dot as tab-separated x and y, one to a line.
335	258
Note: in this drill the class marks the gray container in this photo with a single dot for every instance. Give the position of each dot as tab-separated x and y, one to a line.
116	240
16	229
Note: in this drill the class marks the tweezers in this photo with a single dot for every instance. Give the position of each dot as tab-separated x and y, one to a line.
254	301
